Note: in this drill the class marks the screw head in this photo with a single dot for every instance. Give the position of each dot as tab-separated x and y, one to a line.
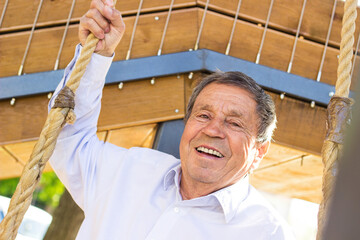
176	110
156	18
121	85
312	104
12	101
191	75
152	81
49	95
282	96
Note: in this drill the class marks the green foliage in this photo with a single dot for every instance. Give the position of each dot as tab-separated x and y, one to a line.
47	194
8	186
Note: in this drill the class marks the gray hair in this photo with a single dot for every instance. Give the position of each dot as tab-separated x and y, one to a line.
265	106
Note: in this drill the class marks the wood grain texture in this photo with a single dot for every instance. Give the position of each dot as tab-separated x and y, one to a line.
137	103
299	126
181	36
285	16
57	11
138	136
9	167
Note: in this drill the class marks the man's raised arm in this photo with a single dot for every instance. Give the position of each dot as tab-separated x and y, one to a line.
78	149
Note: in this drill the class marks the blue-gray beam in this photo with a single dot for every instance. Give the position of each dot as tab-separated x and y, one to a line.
177	63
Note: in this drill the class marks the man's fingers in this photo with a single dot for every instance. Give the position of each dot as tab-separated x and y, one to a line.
99	19
115	18
92	26
106	8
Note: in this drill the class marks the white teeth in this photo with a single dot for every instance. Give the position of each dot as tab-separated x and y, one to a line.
209	151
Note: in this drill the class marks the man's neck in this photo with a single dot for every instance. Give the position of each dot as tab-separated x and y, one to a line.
190	190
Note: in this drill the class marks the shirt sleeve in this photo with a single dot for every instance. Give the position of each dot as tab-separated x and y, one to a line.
79	154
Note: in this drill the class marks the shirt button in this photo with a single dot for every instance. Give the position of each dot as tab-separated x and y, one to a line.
176	209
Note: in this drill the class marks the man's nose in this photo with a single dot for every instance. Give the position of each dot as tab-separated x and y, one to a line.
214	128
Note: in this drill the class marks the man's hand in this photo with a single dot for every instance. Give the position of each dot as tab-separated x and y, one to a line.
106	23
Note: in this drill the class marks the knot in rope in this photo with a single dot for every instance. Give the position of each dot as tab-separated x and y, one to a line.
66	99
339	117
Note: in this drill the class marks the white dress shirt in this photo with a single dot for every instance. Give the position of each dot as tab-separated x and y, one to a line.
134	193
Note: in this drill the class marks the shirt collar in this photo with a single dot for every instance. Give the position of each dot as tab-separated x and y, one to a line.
229	198
232	196
172	177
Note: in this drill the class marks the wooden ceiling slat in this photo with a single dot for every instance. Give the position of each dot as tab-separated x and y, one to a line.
102	135
138	136
9	168
300	178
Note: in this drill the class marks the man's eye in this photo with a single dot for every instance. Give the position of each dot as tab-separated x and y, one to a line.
235	124
204	116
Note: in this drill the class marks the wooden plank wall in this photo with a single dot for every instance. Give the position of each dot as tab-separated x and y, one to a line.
136	104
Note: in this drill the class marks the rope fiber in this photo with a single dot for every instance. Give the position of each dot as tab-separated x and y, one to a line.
60	114
339	113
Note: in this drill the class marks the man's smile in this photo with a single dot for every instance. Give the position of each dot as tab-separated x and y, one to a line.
209	151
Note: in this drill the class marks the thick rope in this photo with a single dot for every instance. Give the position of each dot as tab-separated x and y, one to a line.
338	113
44	147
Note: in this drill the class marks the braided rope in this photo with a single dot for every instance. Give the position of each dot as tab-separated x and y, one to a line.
332	149
43	149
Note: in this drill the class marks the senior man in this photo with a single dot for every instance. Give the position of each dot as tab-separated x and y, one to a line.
141	193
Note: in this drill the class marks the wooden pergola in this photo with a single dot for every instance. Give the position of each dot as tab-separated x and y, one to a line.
132	110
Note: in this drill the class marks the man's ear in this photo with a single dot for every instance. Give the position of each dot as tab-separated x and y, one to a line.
261	151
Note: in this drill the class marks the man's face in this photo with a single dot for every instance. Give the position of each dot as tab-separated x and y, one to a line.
218	145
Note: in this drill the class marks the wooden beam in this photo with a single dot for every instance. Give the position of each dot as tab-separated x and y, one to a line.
137	103
285	16
56	12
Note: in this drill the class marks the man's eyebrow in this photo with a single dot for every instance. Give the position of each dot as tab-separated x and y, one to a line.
232	113
235	113
204	107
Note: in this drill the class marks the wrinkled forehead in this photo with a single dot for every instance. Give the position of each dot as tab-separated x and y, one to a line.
232	99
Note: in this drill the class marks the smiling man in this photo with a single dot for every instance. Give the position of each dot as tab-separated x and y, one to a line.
141	193
219	145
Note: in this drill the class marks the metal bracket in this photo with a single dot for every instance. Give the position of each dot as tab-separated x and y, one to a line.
177	63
